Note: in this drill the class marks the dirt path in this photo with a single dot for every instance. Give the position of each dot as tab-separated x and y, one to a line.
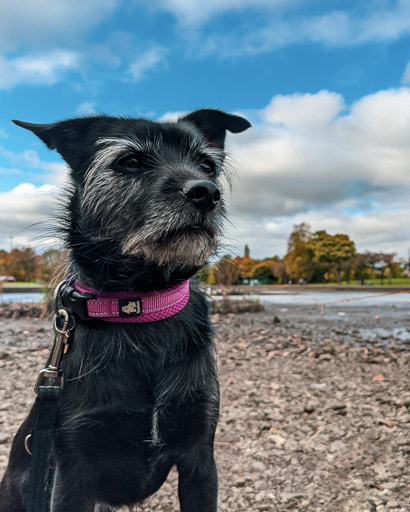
312	419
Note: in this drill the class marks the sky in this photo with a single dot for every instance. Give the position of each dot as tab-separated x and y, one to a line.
325	84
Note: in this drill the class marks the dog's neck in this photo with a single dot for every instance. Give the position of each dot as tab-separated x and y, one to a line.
97	263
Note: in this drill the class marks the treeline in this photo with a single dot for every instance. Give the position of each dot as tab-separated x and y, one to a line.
27	266
312	257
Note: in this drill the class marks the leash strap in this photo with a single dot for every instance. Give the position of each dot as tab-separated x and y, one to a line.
48	387
38	489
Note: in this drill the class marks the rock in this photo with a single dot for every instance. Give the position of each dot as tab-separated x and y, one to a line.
288	496
4	438
309	407
336	406
277	439
240	481
337	446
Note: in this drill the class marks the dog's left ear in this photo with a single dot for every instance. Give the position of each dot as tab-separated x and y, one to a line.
214	123
67	137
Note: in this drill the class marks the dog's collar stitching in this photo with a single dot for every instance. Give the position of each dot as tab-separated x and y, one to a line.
153	306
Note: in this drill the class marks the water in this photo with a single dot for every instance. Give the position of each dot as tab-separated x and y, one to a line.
335	299
21	297
285	297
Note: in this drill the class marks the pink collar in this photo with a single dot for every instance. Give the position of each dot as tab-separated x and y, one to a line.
135	307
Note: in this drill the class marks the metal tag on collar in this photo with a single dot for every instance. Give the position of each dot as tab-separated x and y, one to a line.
129	308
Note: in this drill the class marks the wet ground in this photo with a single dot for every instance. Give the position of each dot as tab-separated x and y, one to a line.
315	409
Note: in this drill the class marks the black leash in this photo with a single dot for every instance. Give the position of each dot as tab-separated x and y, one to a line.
48	388
41	473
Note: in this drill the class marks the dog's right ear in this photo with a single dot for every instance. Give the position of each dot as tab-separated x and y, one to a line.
214	123
67	137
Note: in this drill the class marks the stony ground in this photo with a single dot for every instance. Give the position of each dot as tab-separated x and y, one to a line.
315	414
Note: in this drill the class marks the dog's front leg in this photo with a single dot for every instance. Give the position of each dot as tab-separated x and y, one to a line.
198	481
71	492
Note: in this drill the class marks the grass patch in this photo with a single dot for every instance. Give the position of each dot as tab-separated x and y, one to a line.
394	281
22	283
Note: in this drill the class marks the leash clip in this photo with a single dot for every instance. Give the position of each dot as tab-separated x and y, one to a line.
61	336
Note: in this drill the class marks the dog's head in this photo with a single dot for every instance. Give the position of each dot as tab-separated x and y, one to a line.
145	193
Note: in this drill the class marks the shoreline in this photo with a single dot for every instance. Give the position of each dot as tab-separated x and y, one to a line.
261	289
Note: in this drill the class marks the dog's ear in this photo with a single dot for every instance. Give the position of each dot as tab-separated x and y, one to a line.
214	123
67	137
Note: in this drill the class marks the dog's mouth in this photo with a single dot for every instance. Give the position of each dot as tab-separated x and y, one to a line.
187	246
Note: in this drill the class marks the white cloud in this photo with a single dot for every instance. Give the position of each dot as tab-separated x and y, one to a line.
194	12
23	211
86	108
39	69
301	110
52	172
286	24
38	23
146	61
311	158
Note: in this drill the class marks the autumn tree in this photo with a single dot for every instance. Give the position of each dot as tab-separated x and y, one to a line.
299	258
53	265
245	266
226	273
331	250
22	264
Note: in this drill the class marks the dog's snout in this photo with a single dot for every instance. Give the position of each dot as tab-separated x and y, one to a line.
205	194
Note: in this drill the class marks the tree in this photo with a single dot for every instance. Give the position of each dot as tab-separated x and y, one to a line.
53	265
226	273
301	233
331	250
264	271
22	264
299	258
245	266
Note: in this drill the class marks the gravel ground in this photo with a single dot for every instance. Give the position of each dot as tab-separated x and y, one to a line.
315	408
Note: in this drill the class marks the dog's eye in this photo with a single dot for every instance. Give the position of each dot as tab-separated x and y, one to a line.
131	162
208	166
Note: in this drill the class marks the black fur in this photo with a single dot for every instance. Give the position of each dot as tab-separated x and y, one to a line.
138	398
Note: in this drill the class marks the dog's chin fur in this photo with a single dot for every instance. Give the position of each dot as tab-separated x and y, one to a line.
187	249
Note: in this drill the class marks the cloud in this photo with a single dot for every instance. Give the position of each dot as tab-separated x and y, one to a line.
191	12
86	108
21	209
146	61
311	158
51	172
287	23
36	24
39	69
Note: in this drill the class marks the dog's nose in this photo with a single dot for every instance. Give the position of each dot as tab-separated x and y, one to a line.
205	194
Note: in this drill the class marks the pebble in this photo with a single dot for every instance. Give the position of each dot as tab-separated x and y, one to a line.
4	438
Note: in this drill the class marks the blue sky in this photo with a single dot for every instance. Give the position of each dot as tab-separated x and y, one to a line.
325	84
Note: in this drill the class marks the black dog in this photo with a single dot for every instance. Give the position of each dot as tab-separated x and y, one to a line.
144	213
